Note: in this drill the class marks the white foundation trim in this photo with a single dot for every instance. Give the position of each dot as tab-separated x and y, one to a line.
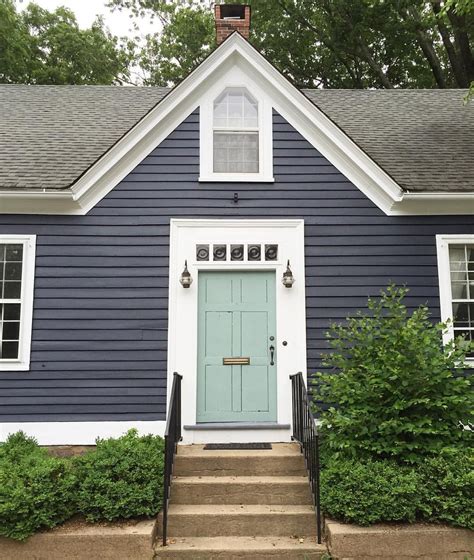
79	433
183	311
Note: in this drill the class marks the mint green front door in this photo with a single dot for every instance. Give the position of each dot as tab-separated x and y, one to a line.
236	319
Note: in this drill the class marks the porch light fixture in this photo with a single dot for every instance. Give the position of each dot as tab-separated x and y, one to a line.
186	279
288	278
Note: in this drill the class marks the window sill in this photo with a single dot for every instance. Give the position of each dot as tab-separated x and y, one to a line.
239	178
14	365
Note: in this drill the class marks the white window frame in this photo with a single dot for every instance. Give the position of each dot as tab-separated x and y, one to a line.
22	363
235	77
444	274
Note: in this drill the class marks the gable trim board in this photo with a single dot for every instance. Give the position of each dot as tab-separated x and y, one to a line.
183	312
292	104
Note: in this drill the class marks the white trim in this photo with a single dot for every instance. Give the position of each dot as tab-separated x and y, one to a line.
444	275
297	109
290	312
235	77
22	363
79	433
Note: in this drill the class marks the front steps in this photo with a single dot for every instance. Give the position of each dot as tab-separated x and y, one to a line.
240	504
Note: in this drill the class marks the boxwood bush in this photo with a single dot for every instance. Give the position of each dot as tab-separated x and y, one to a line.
372	491
122	478
36	490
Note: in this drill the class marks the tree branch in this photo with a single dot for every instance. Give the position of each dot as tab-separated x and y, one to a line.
456	64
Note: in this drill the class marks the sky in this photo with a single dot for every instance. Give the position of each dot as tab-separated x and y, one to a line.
86	11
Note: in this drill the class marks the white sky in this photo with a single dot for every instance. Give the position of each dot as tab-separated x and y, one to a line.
86	11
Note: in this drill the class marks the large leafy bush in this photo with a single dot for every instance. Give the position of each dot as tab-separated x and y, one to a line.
370	491
36	490
393	390
122	478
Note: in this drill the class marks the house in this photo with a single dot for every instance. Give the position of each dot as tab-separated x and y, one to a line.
214	229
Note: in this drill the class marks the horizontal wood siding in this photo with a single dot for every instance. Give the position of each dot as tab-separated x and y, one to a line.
100	310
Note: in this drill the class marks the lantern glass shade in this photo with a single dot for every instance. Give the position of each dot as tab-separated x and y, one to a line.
186	279
288	279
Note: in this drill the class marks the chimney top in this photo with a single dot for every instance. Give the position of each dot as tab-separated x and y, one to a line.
230	18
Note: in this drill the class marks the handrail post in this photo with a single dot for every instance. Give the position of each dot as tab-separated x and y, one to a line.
306	433
171	439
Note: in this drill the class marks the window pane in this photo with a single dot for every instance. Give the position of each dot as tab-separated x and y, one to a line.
235	153
202	252
9	350
235	108
219	252
11	330
12	290
13	271
14	252
271	252
237	252
11	312
254	253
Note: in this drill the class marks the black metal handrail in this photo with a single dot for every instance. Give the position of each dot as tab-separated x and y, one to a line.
305	432
172	437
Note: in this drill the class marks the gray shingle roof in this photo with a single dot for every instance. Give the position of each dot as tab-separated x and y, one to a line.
424	139
50	135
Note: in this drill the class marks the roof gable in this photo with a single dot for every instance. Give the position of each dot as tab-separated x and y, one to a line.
293	105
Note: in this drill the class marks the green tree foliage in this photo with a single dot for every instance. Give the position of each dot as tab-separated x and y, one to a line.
42	47
397	390
36	490
329	43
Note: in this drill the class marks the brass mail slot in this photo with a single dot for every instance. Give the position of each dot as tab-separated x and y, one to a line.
235	361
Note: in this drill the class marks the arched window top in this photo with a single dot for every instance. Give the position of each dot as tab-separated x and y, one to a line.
236	133
235	108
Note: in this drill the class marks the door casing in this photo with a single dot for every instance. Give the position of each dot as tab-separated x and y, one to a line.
185	234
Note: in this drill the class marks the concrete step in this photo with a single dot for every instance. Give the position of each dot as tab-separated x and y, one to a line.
284	459
241	548
270	490
241	520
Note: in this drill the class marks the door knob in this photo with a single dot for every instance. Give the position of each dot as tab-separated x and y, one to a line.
272	352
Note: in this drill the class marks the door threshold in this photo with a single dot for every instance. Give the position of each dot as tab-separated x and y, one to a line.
237	426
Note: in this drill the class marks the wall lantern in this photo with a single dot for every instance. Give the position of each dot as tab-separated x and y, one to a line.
288	278
186	279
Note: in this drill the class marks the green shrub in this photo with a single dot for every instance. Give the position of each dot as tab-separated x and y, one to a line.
449	482
397	389
122	478
372	491
36	490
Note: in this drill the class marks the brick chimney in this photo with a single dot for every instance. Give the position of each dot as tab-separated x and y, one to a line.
230	18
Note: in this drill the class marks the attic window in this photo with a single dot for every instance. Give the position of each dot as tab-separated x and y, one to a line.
235	132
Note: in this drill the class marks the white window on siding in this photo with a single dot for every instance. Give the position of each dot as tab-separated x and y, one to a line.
17	257
456	272
235	132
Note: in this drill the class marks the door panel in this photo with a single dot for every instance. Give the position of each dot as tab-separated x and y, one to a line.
236	318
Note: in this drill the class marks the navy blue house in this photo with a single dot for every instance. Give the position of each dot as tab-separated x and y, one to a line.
287	208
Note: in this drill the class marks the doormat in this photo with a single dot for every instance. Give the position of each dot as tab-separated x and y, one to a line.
213	446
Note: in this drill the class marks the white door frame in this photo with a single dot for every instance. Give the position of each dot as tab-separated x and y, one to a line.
185	234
